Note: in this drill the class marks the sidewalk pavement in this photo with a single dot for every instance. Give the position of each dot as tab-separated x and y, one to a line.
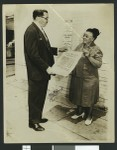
59	129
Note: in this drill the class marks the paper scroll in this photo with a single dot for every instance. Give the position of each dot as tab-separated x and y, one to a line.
66	63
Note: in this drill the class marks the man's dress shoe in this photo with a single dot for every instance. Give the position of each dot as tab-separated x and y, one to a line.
43	120
36	127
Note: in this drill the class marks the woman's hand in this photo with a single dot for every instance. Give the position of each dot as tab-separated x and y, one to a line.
86	52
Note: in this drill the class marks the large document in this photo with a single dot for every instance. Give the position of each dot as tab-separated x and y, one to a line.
66	63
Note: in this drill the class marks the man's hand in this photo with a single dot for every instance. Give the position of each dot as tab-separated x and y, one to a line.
50	71
63	49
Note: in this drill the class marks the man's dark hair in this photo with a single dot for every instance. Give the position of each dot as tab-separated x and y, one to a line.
39	13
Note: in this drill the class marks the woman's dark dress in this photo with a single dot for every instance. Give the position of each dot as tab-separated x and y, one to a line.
84	85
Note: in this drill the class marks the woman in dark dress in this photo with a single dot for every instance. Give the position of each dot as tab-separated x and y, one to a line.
84	85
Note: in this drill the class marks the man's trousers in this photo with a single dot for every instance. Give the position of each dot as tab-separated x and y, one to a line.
36	99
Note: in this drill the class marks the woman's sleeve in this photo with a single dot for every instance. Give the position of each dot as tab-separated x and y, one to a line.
96	61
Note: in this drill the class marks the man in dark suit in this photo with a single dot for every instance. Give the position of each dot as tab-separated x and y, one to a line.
39	60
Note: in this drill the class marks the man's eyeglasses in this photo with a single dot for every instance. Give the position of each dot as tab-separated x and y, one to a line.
45	18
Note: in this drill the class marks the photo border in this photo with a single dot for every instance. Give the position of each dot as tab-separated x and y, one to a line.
15	146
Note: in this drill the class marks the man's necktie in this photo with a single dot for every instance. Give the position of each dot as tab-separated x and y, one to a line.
45	35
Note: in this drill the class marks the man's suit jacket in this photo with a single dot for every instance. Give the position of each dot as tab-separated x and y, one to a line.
38	53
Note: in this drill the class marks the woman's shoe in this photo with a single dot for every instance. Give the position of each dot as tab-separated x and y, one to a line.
78	116
88	121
